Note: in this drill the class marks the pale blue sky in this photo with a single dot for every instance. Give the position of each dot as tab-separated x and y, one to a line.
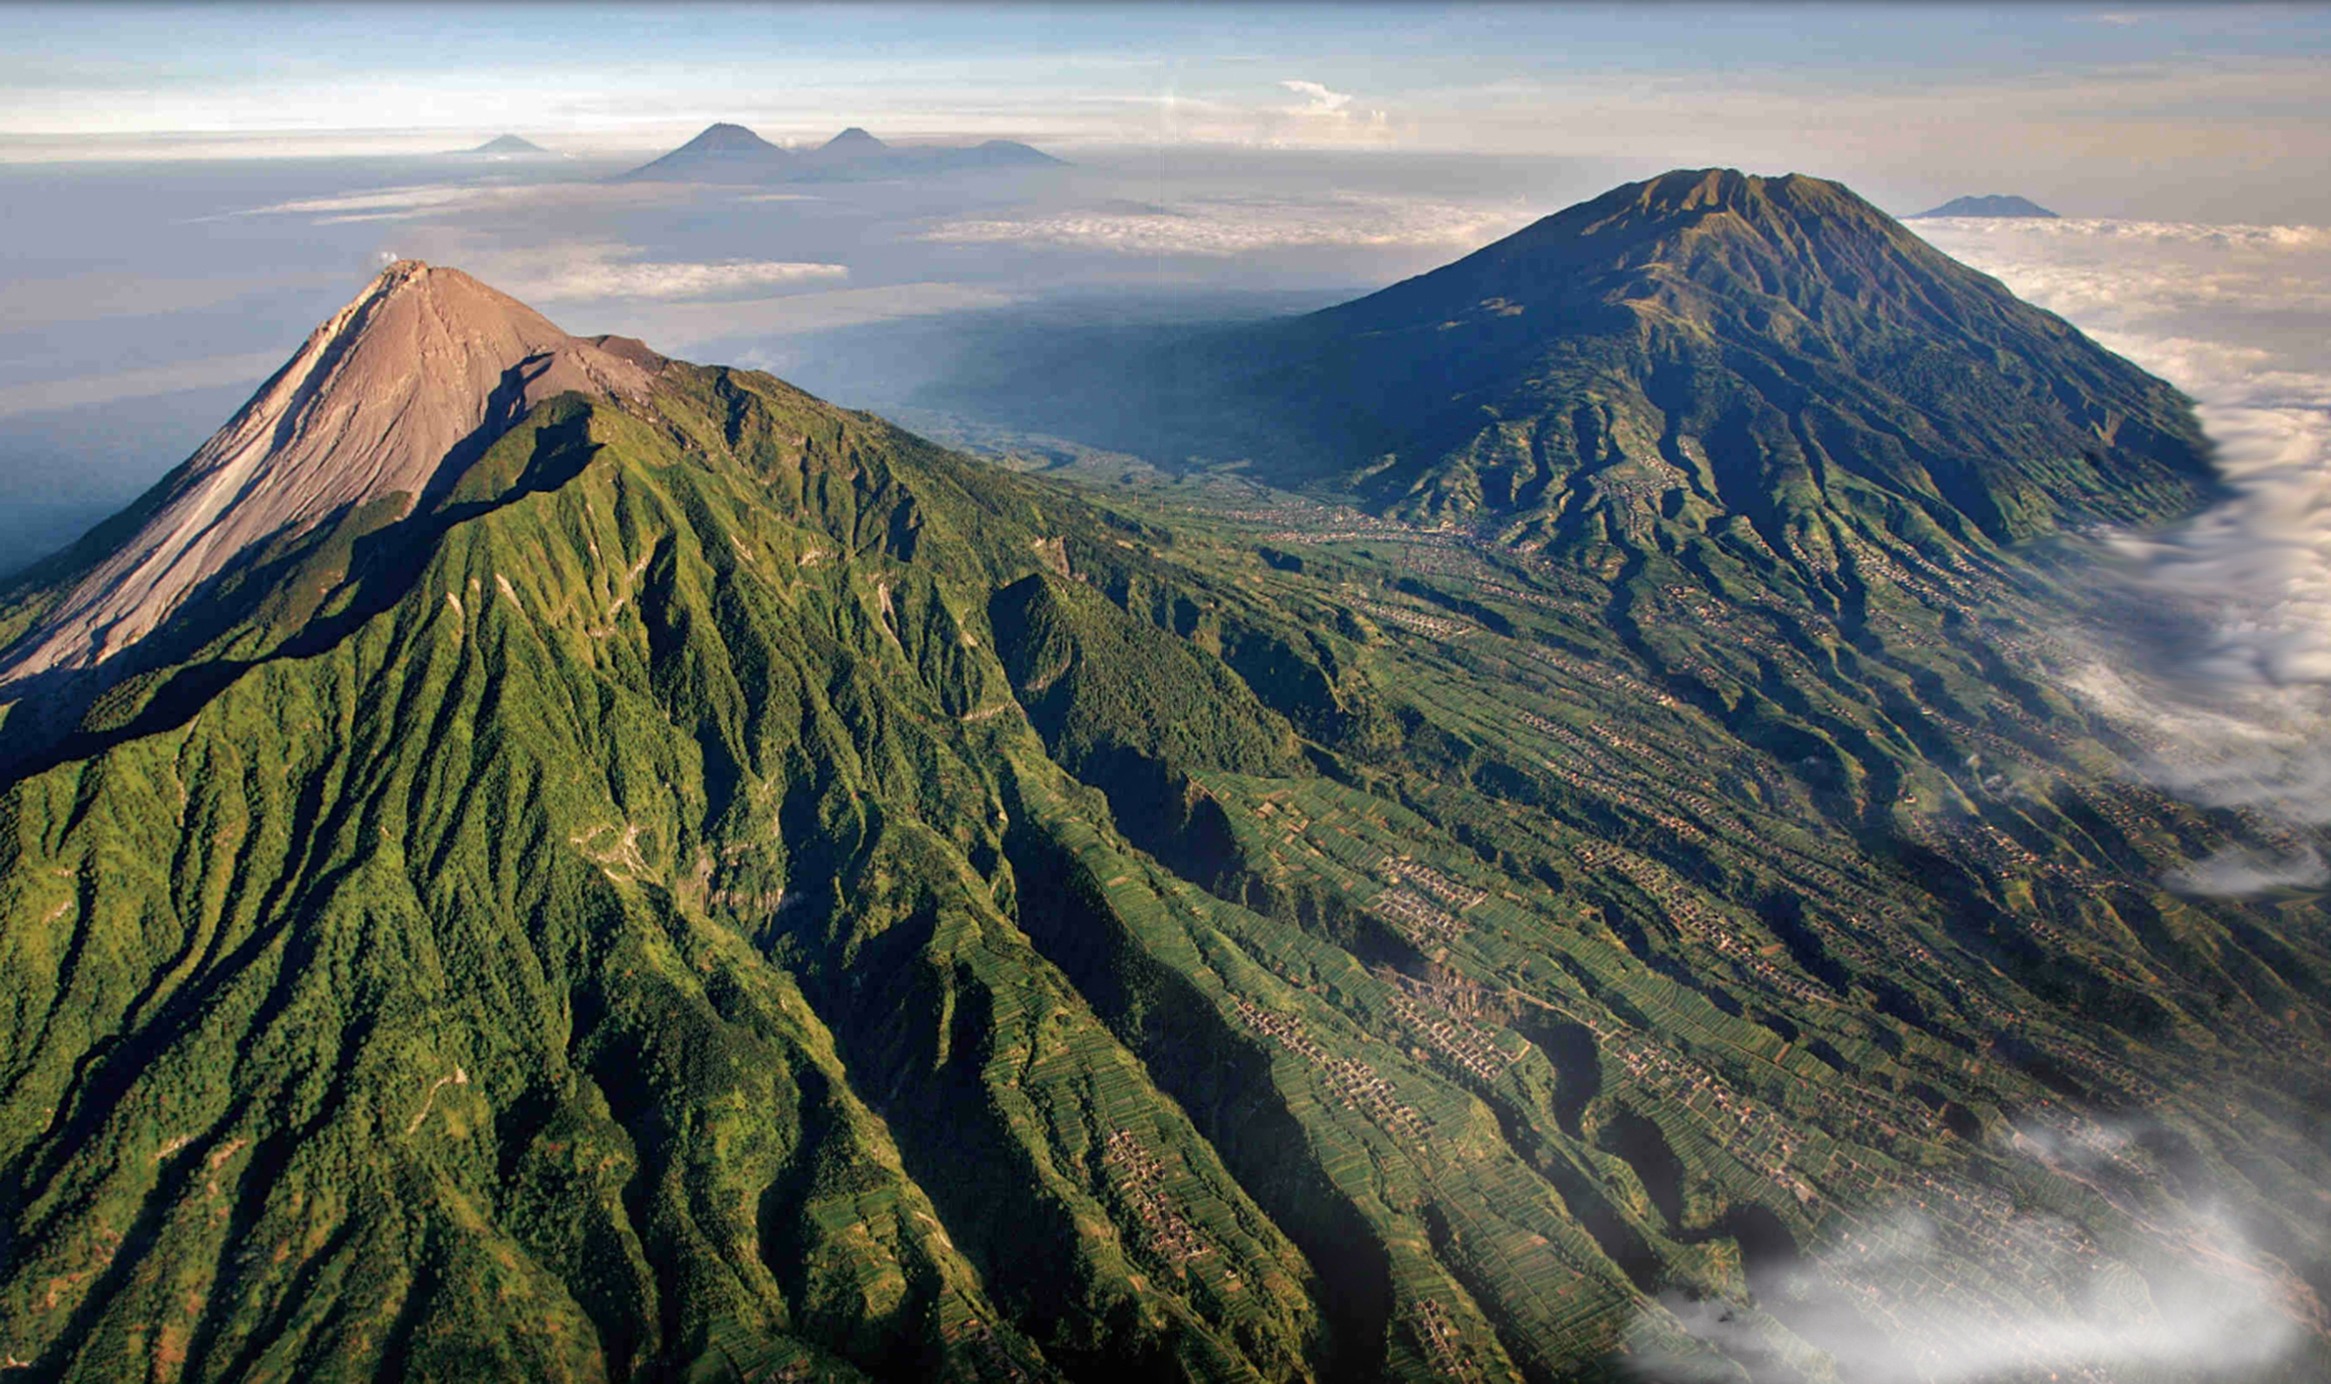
2161	80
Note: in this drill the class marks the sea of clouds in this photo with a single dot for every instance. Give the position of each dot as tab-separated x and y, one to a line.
2213	650
1225	226
2233	694
2012	1296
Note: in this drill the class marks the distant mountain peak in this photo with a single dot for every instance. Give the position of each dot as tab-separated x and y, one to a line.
733	154
1996	204
720	152
1007	152
721	137
385	402
509	144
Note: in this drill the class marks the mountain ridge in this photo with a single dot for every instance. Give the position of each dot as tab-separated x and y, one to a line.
723	887
731	153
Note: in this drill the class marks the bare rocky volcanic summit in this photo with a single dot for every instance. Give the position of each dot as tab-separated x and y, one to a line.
389	397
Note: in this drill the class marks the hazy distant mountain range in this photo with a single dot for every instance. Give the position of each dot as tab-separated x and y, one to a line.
1995	205
508	146
726	153
526	859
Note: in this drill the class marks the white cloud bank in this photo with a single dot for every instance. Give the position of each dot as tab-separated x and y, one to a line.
596	270
2240	318
208	372
1319	100
2234	872
570	271
1223	227
2070	1315
1991	1292
417	201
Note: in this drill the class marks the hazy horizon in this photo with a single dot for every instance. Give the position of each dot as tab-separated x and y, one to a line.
2086	106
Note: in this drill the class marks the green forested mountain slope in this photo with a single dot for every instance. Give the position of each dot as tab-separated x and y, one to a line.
1779	344
727	890
1781	341
470	1021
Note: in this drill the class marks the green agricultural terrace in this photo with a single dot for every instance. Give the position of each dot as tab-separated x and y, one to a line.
694	883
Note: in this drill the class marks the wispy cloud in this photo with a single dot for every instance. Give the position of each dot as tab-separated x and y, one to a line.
1224	227
1331	115
682	326
417	201
2238	714
583	270
1997	1291
208	372
578	270
2234	873
385	204
1319	100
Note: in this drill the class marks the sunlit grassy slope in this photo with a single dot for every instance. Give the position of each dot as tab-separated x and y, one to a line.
736	892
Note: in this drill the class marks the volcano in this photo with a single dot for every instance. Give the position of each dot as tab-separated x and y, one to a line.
734	154
527	859
378	411
1775	340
